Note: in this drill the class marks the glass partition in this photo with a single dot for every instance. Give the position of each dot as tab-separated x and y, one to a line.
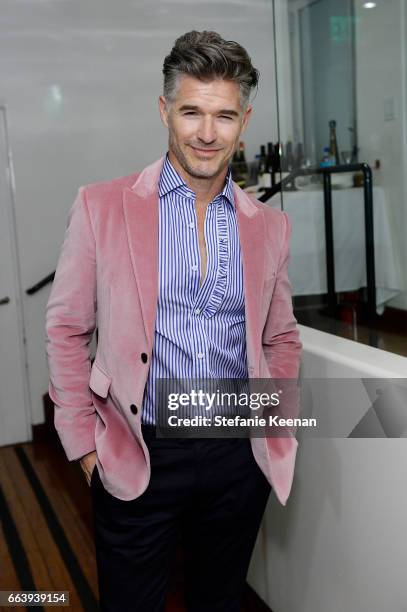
341	86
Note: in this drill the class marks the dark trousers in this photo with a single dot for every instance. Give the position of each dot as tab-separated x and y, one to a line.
209	492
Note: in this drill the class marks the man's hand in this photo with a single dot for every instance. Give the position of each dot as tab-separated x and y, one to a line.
88	463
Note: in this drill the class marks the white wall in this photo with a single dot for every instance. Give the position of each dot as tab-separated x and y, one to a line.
339	544
81	82
380	81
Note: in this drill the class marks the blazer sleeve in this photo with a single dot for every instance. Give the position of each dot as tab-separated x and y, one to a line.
70	323
281	344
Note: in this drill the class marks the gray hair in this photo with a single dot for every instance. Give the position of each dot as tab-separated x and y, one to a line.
206	56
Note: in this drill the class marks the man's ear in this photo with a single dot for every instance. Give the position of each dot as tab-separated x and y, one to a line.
163	108
246	117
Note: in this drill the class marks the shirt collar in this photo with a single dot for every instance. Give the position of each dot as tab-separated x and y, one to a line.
170	180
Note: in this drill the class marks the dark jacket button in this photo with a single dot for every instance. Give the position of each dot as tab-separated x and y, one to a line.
133	408
144	357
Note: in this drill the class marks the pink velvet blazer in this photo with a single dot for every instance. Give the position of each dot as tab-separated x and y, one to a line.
107	277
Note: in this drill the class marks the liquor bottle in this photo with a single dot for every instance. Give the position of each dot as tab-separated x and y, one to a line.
277	157
234	166
289	164
327	159
240	169
242	155
333	144
263	175
276	177
268	178
283	160
235	158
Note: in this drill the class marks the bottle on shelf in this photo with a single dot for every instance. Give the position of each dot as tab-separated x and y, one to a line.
234	166
254	169
235	158
269	179
275	163
333	144
327	159
262	168
290	164
242	154
240	169
283	160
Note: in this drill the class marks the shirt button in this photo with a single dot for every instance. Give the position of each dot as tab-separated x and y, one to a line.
194	267
200	355
197	311
191	225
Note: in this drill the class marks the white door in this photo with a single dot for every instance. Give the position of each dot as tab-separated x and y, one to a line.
14	405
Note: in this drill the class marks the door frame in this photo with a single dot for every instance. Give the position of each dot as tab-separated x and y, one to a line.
17	288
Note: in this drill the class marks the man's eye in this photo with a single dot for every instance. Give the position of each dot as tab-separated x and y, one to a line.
190	113
225	117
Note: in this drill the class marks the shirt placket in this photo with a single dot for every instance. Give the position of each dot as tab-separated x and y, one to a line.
222	255
198	337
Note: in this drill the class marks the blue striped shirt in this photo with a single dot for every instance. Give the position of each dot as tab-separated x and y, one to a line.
200	330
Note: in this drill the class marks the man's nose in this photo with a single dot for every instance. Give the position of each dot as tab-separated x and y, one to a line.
207	132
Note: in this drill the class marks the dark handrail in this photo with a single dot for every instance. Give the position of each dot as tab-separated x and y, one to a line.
369	230
41	284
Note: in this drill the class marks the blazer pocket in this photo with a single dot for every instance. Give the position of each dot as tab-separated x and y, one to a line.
99	381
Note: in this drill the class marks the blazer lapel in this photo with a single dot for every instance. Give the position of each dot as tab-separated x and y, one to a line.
140	207
252	236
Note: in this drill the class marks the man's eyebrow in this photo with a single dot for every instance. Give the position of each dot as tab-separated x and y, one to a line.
224	111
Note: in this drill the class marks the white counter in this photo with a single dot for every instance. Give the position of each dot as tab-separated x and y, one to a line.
340	544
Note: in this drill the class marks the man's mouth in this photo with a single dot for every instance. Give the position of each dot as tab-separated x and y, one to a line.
205	152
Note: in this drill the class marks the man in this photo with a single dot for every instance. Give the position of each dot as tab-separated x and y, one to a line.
184	276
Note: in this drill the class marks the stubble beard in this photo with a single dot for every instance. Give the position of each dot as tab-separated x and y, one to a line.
187	167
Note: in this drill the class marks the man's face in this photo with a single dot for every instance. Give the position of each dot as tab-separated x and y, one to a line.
204	122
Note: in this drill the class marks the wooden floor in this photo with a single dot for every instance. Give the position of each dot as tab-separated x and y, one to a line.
46	538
